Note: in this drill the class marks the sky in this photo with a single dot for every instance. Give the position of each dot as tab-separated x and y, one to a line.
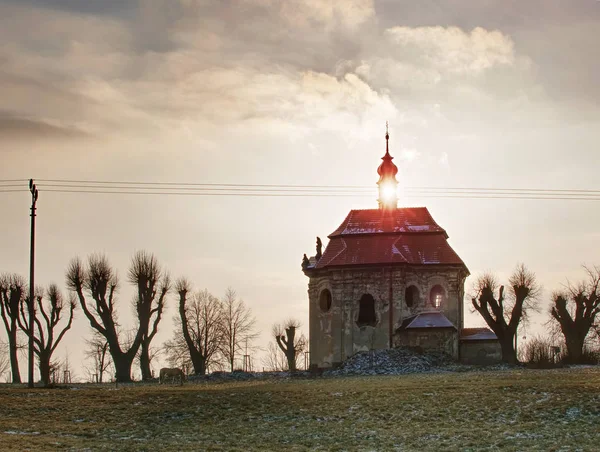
495	94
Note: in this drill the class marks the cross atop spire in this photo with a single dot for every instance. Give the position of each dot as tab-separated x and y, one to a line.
387	138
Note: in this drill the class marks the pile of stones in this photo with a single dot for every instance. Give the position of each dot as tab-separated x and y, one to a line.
396	361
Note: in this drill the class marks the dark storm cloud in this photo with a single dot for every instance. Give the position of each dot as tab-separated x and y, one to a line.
100	7
507	15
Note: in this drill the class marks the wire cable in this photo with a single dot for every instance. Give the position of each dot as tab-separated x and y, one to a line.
291	190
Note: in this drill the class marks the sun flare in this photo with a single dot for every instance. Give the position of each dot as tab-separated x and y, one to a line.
388	193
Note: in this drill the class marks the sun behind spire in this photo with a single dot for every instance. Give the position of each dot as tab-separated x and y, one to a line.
388	196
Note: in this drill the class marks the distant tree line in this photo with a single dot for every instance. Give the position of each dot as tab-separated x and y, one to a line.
573	314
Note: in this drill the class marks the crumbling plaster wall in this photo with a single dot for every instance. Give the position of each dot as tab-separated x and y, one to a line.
334	334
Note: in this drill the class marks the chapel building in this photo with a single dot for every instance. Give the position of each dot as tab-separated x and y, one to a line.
387	278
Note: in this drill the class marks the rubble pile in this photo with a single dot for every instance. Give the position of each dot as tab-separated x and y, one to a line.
394	361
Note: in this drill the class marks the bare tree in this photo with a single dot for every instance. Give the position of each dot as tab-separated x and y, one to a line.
47	315
575	310
152	287
97	352
100	282
289	344
199	332
238	327
153	353
275	359
4	358
503	315
12	294
64	371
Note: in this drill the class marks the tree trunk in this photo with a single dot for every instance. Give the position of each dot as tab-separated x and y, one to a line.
122	363
199	363
507	345
574	349
287	345
44	366
290	354
145	361
14	361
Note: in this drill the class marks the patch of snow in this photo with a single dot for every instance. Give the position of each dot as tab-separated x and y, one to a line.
13	432
573	412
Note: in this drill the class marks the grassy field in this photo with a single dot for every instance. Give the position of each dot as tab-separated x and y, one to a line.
508	410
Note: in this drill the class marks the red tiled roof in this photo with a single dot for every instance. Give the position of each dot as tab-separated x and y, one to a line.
402	236
380	221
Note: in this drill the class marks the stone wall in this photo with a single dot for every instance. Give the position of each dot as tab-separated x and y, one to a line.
429	339
334	334
480	352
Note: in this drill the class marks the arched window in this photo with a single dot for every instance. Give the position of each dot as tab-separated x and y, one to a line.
411	296
325	300
436	297
366	311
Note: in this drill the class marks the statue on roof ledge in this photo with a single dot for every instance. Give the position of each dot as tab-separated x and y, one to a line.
305	262
319	248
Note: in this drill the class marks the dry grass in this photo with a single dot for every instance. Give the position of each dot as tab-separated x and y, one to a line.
511	410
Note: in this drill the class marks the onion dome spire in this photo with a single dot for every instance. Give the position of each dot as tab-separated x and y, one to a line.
388	198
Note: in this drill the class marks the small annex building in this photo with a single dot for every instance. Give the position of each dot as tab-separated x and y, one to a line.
388	277
479	346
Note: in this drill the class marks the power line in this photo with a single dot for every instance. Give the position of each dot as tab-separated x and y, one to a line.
292	190
199	193
190	185
49	182
197	189
338	194
469	189
549	197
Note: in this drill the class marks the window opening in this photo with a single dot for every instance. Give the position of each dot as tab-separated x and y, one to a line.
437	296
366	311
325	300
411	296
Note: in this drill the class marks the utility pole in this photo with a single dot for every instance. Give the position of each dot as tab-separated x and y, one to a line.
34	196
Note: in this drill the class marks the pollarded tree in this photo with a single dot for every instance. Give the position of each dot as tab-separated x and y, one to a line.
290	345
12	294
575	310
238	327
152	287
504	315
99	282
47	316
199	331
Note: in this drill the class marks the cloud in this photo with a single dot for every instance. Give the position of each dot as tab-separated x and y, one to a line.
18	128
452	50
187	66
409	155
